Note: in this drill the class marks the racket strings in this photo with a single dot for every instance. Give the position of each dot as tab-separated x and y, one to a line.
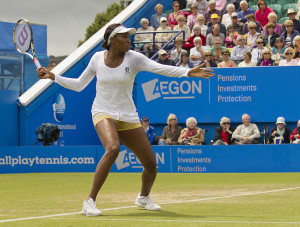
23	37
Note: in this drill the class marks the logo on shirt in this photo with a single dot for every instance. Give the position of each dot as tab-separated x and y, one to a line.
127	70
128	159
155	89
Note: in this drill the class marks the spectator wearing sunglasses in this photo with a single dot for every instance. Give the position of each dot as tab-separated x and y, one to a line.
247	60
289	54
208	62
223	133
278	51
256	53
251	17
182	26
291	13
217	49
262	13
252	35
296	43
266	58
288	35
171	132
173	17
237	52
226	63
271	36
163	58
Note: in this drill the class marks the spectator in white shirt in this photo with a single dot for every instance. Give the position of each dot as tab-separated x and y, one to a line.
289	54
197	52
247	60
226	19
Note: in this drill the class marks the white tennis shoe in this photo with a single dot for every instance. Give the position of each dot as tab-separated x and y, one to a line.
146	202
89	208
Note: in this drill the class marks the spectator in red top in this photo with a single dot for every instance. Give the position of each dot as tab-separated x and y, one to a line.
197	32
223	133
173	16
261	14
295	136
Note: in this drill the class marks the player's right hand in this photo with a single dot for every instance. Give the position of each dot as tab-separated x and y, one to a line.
44	73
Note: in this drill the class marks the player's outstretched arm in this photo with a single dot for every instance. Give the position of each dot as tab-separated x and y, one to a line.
201	72
44	73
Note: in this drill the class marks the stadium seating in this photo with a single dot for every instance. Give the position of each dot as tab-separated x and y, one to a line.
283	19
286	7
254	7
277	9
282	2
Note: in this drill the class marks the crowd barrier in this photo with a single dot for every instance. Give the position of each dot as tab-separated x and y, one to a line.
170	159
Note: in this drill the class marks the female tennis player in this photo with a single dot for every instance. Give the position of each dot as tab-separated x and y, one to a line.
114	114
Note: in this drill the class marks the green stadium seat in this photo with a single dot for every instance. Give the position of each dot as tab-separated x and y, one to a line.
277	9
251	3
168	12
254	7
283	19
282	2
286	7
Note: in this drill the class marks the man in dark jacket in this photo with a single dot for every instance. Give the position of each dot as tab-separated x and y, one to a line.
280	131
163	58
149	130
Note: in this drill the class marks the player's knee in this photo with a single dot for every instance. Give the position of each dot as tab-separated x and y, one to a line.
151	167
112	151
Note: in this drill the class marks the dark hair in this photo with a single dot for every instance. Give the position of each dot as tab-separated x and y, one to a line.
184	53
248	53
175	2
250	16
107	33
225	51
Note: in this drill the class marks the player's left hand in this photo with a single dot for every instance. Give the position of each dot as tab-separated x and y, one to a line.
201	72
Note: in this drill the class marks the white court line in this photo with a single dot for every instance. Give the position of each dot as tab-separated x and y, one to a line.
125	207
183	221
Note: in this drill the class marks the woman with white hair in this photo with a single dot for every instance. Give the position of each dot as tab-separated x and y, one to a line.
197	52
226	19
295	135
272	19
197	33
181	26
223	133
280	131
144	41
289	54
171	132
201	23
191	135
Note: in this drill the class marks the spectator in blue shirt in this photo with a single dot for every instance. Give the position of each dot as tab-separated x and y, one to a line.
149	130
245	10
155	18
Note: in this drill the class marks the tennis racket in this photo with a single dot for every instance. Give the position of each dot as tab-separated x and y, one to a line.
23	40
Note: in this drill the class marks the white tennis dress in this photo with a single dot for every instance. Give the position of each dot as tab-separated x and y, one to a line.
114	85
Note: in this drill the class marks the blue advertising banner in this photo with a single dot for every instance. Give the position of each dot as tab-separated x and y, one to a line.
169	159
231	92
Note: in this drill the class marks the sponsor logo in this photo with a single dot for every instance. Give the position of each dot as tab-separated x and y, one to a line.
128	159
127	70
59	108
155	89
23	36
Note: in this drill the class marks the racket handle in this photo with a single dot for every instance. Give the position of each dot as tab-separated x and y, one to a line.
37	63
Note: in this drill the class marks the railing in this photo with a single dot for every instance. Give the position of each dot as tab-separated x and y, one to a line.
166	43
11	72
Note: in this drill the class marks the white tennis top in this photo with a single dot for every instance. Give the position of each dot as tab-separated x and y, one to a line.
114	85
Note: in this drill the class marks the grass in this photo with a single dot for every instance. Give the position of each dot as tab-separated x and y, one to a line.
41	194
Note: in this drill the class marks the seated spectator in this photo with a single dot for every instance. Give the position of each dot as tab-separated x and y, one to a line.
230	40
295	135
197	33
245	10
236	4
191	135
192	18
163	37
173	16
155	20
296	44
262	13
277	27
215	19
296	23
257	52
237	52
246	133
176	53
144	41
266	58
223	133
197	52
221	5
182	4
149	130
163	58
270	38
171	132
213	35
247	60
251	17
289	54
212	10
252	35
289	34
208	62
201	23
202	6
185	62
278	51
216	50
181	26
226	19
226	63
237	26
280	131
